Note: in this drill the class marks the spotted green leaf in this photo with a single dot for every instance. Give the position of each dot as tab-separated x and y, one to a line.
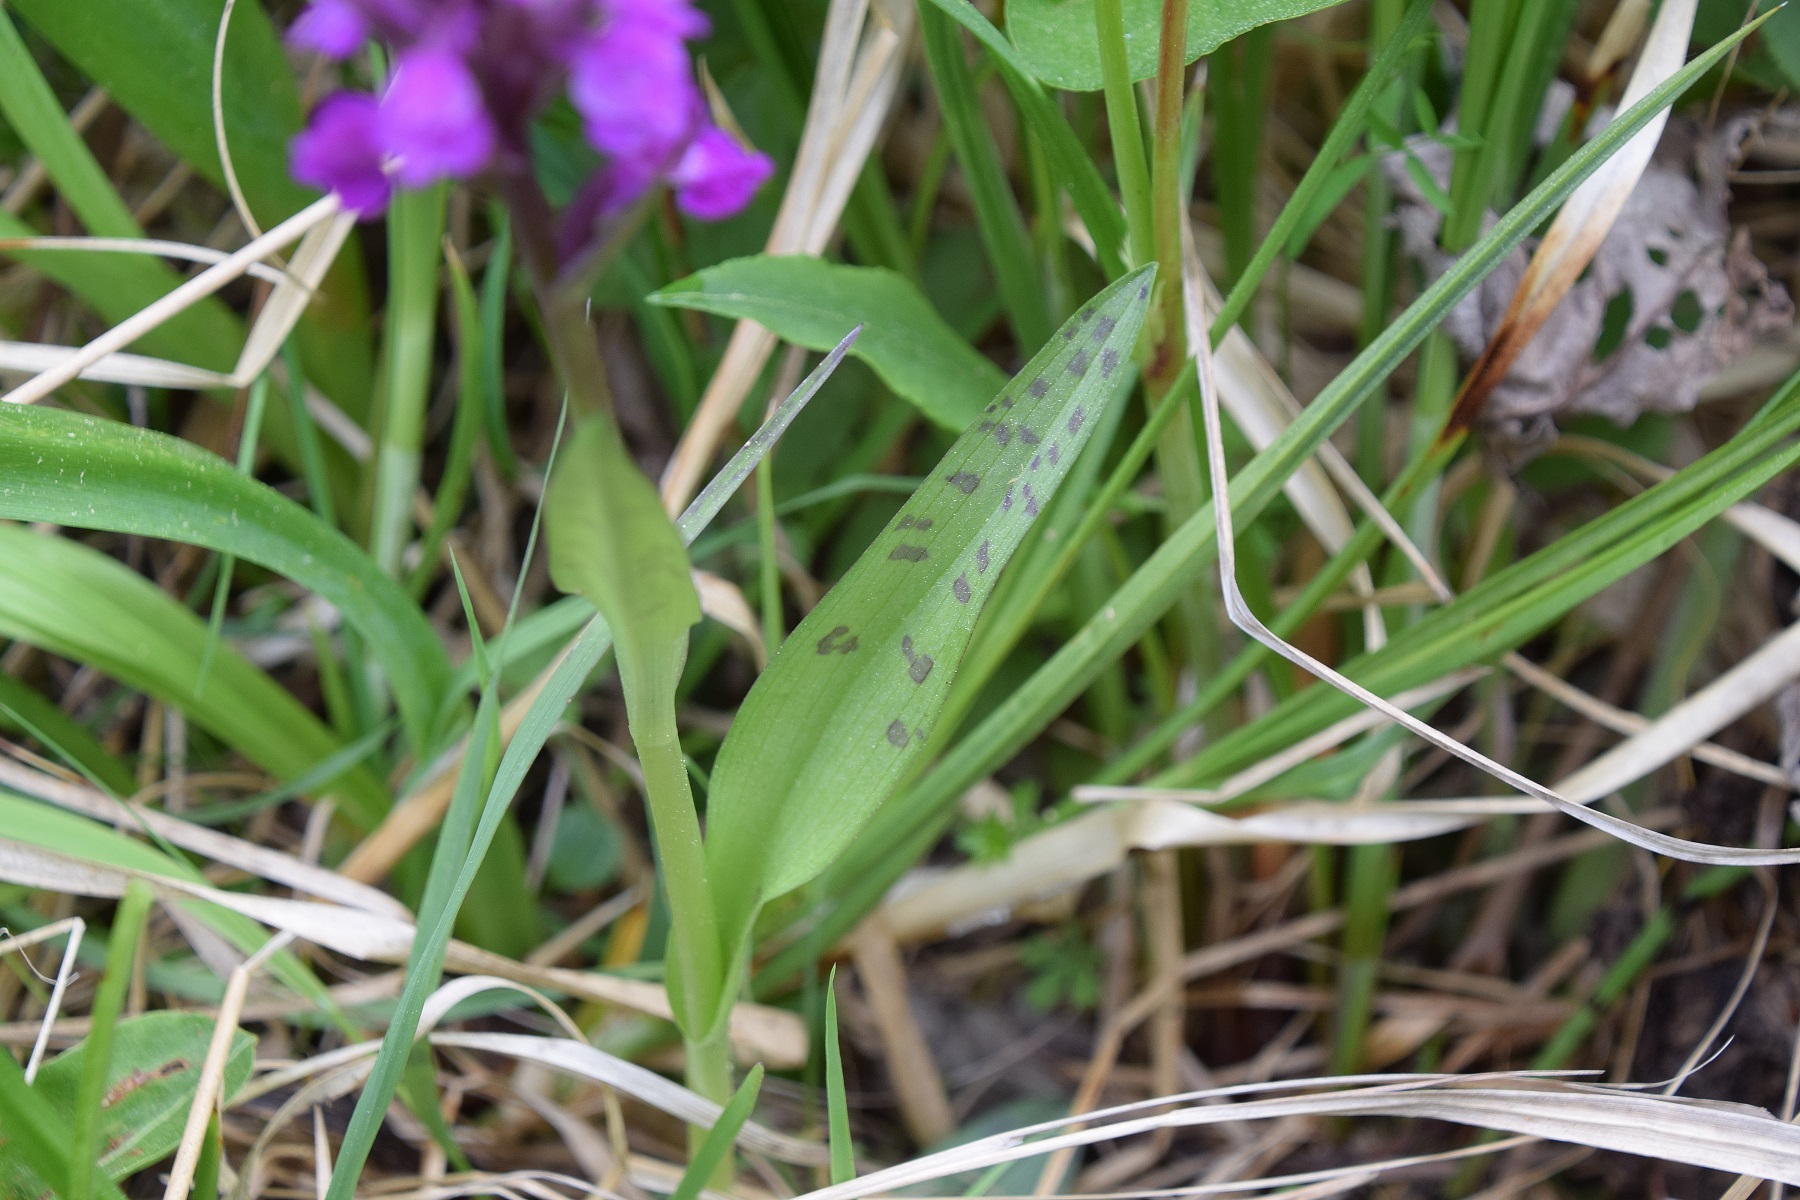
850	702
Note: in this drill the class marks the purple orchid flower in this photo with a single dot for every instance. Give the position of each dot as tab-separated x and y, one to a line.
340	151
470	75
432	119
717	176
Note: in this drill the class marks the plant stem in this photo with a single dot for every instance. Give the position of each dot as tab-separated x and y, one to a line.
1240	83
415	226
649	666
1178	453
1168	207
1122	124
683	856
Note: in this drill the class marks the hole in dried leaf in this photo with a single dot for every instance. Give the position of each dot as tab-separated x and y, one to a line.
1686	312
1613	323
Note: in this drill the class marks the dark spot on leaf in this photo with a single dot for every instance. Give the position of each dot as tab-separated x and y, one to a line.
1075	419
1037	460
1002	434
836	643
1068	333
1658	337
1031	504
910	522
985	426
964	481
961	588
1144	292
1109	358
1006	402
1055	454
1658	256
897	734
988	409
1028	436
1078	364
1038	386
905	553
918	666
1006	500
1103	327
981	558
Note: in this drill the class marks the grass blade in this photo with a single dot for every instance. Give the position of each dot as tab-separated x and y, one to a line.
996	211
837	1105
717	1143
96	474
121	949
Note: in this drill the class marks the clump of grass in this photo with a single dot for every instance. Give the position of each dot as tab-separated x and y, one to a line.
350	609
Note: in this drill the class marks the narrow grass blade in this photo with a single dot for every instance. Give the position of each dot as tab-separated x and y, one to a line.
471	407
121	949
1074	169
725	484
33	1147
718	1140
997	214
837	1106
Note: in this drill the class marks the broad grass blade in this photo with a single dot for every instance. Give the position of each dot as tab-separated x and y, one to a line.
851	701
97	474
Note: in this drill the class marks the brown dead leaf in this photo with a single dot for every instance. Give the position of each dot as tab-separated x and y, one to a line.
1671	296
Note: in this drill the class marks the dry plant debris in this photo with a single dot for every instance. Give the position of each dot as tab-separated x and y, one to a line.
946	797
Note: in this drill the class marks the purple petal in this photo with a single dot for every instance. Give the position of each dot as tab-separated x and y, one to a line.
335	28
671	18
338	151
432	119
717	176
635	92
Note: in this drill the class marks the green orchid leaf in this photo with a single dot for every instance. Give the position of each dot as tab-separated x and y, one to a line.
849	704
156	1062
1056	37
814	303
